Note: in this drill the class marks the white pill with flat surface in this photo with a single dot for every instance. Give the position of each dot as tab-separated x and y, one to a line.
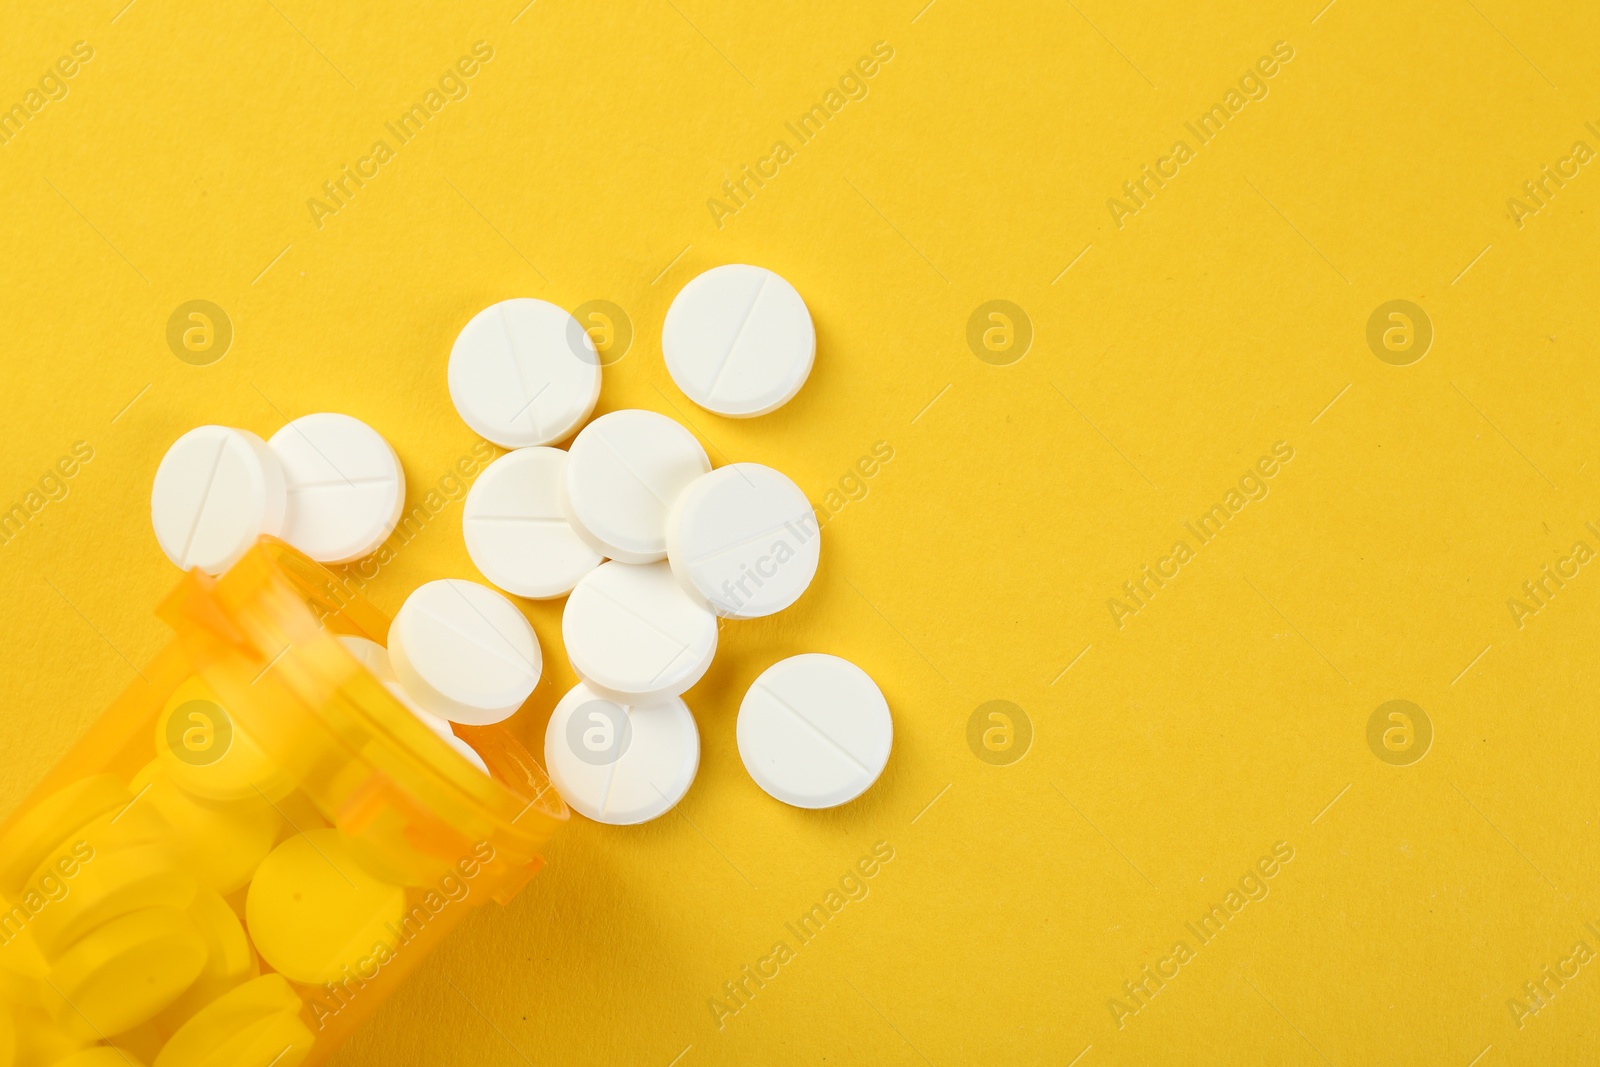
464	652
523	372
624	471
814	731
633	634
371	655
216	491
515	529
439	726
346	487
744	541
375	658
739	341
619	763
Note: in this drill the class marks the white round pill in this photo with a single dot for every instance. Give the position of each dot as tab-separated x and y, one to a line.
464	652
440	727
739	341
516	531
634	635
346	486
618	763
371	655
523	372
217	490
624	471
814	731
375	658
744	541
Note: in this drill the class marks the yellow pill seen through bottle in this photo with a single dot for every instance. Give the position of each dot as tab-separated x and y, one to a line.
38	833
134	823
111	884
136	883
313	910
230	961
142	1042
214	1026
22	965
99	1056
208	754
280	1040
121	974
220	841
39	1039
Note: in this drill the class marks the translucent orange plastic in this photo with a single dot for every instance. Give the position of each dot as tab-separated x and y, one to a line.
254	845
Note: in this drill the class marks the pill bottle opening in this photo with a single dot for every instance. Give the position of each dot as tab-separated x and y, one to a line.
255	843
264	636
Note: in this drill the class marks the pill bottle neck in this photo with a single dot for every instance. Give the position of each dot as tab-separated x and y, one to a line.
264	635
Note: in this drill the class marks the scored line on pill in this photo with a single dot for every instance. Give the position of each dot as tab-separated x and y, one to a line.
446	624
535	670
313	446
205	497
665	507
668	665
532	419
373	479
846	753
549	520
514	355
611	780
745	541
626	610
727	357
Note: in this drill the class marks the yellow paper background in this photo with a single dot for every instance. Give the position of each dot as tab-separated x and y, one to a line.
1221	318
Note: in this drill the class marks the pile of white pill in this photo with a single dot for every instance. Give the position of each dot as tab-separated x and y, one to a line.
328	484
648	544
